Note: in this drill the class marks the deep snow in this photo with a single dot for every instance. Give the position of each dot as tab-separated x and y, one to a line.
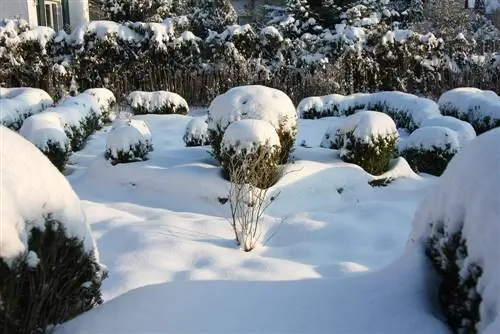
335	264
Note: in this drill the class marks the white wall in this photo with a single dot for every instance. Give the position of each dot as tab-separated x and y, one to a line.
25	9
78	12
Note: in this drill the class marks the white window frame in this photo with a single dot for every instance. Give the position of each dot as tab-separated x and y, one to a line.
58	5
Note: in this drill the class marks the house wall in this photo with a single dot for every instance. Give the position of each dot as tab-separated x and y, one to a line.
25	9
78	12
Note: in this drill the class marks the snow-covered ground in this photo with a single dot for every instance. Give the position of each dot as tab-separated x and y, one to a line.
336	263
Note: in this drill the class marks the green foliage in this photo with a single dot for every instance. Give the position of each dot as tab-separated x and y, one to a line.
137	152
168	108
431	161
373	156
458	295
481	125
57	155
138	10
66	282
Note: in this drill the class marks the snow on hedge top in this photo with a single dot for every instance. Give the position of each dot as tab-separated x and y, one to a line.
393	103
125	134
103	96
473	103
18	103
464	130
154	102
366	125
252	102
248	135
10	28
32	188
196	130
103	30
85	102
45	128
467	197
431	137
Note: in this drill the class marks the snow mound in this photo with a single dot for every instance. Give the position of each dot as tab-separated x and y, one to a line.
368	125
407	110
196	133
467	199
128	140
45	128
252	102
464	130
32	188
104	97
16	104
398	168
160	102
431	138
248	135
473	105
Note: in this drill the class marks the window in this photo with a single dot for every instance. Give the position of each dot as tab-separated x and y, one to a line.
53	14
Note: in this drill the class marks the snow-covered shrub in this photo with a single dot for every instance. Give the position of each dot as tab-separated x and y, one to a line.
49	266
458	225
137	10
331	138
368	139
250	153
430	149
213	15
106	99
253	102
408	111
464	130
46	131
129	140
89	107
481	108
17	104
196	133
160	102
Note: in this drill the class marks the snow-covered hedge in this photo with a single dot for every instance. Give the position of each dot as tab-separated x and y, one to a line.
464	130
458	224
160	102
368	139
196	133
105	98
430	149
250	152
17	104
49	266
129	140
253	102
481	108
408	111
331	138
46	131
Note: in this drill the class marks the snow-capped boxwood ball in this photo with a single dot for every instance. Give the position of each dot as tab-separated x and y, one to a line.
331	139
430	149
49	265
17	104
481	108
250	152
464	130
129	140
46	131
106	99
196	133
367	139
458	226
160	102
253	102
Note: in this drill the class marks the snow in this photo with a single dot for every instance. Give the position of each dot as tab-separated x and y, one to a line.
417	108
467	197
248	135
85	102
104	97
473	103
152	101
431	137
197	130
40	129
18	103
271	31
368	125
464	130
104	30
125	134
32	188
328	140
252	102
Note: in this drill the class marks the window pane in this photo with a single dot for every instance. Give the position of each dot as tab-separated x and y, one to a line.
48	15
55	17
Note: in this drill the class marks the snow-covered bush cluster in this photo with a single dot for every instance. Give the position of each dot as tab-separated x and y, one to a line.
128	141
196	133
367	139
481	108
408	111
49	265
17	104
160	102
65	128
458	225
253	102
